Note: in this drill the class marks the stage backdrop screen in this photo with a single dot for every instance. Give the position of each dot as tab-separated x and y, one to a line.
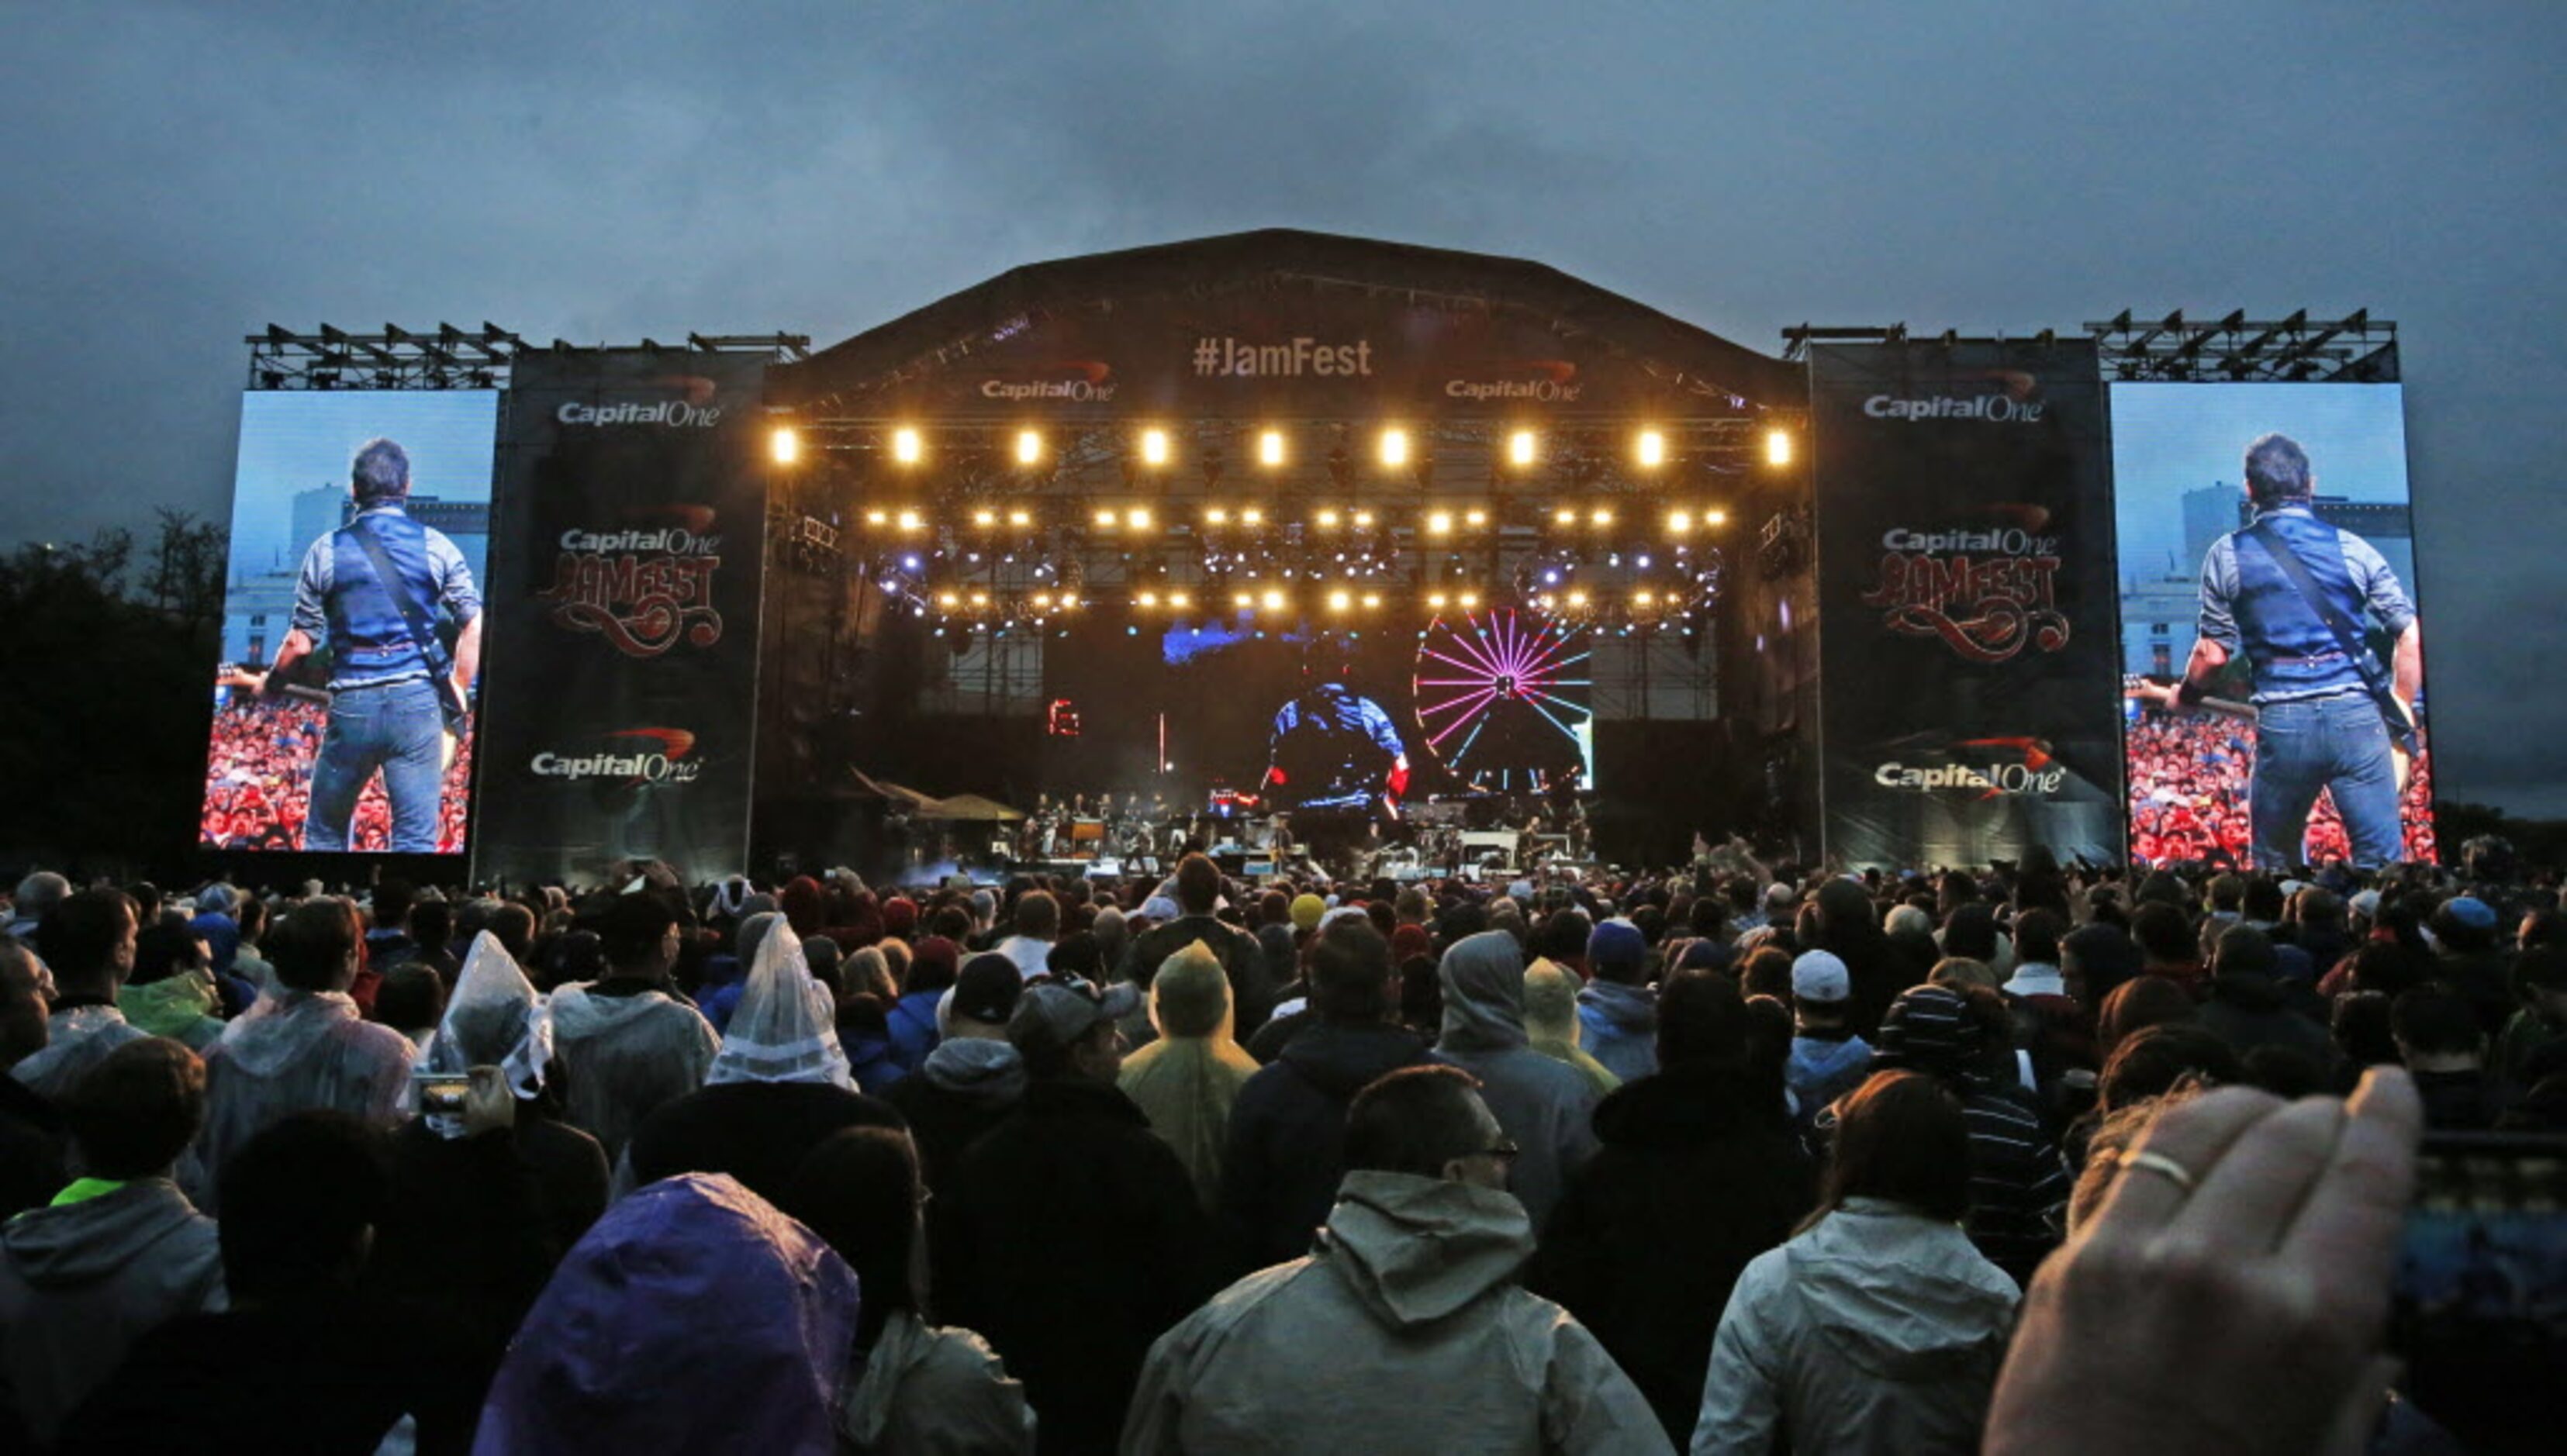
328	735
2179	486
1249	706
1964	524
626	561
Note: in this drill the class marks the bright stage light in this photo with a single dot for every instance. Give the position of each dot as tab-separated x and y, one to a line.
1154	447
984	516
1273	600
877	518
1469	599
1029	447
1020	518
1680	522
1642	599
1043	599
1439	522
911	521
1243	600
948	598
1253	517
1328	519
1148	599
1068	600
1105	519
1778	447
906	446
1564	517
979	599
1269	447
1364	517
1394	448
1138	518
1179	601
1715	518
1372	599
1436	601
1578	598
784	447
1652	449
1599	517
1475	517
1215	516
1340	601
1522	447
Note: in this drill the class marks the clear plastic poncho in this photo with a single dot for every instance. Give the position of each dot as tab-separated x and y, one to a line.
786	1027
493	1019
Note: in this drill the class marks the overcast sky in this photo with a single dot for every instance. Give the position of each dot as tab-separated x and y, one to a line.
177	175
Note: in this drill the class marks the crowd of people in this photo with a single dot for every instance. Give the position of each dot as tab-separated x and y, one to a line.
2188	776
258	781
1738	1157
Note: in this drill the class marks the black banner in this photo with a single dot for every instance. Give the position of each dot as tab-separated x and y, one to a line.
1969	690
625	561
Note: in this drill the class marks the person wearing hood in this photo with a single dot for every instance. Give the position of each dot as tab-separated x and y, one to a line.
1828	1059
628	1042
1700	1171
88	940
971	1081
1619	1010
1553	1026
1287	1141
1403	1329
1878	1327
779	1086
118	1251
1074	1238
911	1385
695	1317
302	1045
1187	1080
2247	1007
1545	1105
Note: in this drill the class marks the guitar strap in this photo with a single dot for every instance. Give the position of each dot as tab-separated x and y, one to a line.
413	617
2348	637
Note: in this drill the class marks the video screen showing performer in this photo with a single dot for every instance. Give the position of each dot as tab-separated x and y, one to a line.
1333	748
352	623
2273	644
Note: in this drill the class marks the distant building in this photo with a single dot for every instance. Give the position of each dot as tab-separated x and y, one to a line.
2208	514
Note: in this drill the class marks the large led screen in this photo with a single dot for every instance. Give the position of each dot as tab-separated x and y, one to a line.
2268	570
351	621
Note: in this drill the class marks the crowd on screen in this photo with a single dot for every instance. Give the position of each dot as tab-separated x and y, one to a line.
258	778
2188	776
1735	1157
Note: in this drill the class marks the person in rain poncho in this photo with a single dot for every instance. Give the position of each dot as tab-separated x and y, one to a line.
302	1045
694	1318
778	1085
912	1386
1403	1329
1186	1079
1878	1327
625	1042
1542	1103
1551	1023
89	941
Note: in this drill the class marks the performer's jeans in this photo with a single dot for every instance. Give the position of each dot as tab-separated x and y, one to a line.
399	729
2336	743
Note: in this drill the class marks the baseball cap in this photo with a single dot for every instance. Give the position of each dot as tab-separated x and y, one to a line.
1056	1014
1821	976
1616	943
989	988
2366	903
1929	1029
2471	912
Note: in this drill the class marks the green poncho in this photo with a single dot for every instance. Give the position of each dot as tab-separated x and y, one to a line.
1186	1081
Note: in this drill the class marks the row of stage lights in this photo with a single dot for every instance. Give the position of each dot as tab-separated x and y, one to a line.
1153	446
1639	605
1436	523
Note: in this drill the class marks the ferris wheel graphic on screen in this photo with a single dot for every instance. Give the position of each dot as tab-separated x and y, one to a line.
1503	699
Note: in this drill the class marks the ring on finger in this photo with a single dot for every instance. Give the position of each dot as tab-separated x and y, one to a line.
2160	1163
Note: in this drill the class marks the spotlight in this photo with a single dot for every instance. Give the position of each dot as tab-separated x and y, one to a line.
1215	516
949	599
1394	448
1138	518
1469	599
1154	446
1241	600
1029	447
1148	599
1522	447
911	521
1652	450
1252	517
1599	517
1269	447
1328	519
1042	599
1068	600
784	447
1475	517
1364	517
1680	522
877	518
1105	519
1564	517
906	446
1778	447
1179	601
1371	599
1578	600
1435	599
1273	600
1642	599
984	516
1715	518
1020	518
979	599
1439	522
1340	601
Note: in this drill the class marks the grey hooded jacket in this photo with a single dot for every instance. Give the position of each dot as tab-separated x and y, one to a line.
79	1283
1545	1105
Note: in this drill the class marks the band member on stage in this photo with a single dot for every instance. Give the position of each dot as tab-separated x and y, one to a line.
2292	594
372	589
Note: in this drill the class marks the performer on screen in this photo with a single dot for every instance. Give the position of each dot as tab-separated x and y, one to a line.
1333	748
2292	593
370	589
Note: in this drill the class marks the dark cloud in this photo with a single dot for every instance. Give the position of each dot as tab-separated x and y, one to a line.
180	174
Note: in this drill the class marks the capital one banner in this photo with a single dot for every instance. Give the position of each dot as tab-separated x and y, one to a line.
1968	682
626	558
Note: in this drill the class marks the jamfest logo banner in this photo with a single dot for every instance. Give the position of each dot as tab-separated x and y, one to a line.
1969	687
625	562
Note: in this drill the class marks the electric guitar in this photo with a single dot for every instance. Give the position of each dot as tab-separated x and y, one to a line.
453	718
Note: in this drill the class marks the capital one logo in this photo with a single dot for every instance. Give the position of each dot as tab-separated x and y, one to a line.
660	757
1993	777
